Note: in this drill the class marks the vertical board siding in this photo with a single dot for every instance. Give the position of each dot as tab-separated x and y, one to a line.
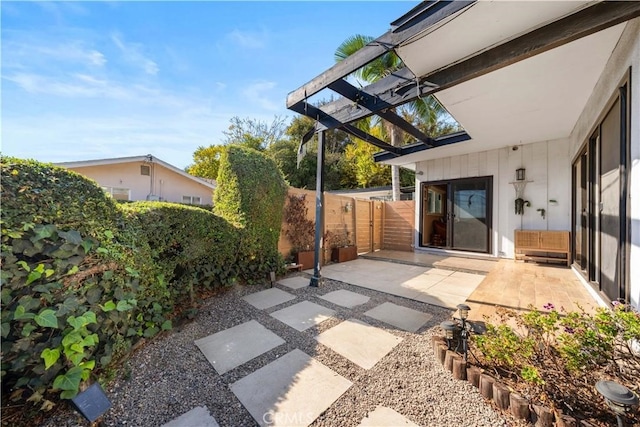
547	165
363	228
399	225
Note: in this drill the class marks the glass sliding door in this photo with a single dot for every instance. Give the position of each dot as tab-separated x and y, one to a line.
470	215
456	214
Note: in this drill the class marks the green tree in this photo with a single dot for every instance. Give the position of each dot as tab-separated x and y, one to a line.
424	110
303	175
254	133
206	161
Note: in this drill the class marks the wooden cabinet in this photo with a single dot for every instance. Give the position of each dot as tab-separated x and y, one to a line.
538	245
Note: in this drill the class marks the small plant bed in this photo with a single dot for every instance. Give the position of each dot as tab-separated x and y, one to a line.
543	365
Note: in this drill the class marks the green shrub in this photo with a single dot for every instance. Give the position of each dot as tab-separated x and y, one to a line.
192	247
251	193
34	192
74	281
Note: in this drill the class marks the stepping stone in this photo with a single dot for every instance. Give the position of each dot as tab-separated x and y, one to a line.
295	282
385	417
232	347
198	416
404	318
345	298
303	315
359	342
268	298
292	390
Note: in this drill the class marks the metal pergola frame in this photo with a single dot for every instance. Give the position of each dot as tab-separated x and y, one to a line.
402	86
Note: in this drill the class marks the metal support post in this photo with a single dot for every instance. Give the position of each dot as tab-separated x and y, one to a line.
316	280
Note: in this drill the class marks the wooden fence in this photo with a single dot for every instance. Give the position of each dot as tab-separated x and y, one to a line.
370	224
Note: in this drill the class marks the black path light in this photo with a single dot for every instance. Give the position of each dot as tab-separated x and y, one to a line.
450	329
619	399
459	329
464	333
92	403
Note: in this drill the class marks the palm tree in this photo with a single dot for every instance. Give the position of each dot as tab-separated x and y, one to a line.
424	109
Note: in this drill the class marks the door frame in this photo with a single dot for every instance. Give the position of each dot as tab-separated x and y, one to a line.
449	208
592	146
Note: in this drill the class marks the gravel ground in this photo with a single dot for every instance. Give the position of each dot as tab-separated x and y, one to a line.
170	376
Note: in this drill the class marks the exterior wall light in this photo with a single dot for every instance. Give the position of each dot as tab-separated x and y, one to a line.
520	174
619	399
348	207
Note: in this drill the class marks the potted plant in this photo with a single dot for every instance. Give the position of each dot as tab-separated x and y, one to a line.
341	245
300	230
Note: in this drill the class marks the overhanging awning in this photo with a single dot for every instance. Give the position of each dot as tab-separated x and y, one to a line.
468	53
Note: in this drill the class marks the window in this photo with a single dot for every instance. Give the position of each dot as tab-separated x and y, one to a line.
191	200
145	170
117	193
434	202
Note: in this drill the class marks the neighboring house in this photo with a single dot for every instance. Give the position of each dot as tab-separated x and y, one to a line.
145	178
549	87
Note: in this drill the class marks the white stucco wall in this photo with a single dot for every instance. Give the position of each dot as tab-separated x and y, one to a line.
168	185
547	165
626	55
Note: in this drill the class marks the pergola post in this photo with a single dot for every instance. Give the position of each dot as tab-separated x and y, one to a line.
316	280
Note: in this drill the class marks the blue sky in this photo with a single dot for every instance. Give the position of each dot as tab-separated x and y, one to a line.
89	80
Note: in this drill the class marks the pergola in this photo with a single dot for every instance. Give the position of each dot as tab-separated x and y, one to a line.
431	67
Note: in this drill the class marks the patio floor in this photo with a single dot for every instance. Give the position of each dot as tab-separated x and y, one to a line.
271	364
505	283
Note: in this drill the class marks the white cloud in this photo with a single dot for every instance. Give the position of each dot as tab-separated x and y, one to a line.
132	53
35	53
248	39
256	93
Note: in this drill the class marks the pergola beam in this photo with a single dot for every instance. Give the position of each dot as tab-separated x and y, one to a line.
452	138
401	87
431	12
351	92
319	115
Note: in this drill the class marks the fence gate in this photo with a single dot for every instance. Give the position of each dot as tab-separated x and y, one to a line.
368	225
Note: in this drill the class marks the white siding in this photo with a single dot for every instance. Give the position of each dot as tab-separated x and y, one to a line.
547	164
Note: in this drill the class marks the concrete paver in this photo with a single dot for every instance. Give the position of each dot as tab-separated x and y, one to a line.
404	318
268	298
345	298
296	282
230	348
437	286
303	315
359	342
292	390
385	417
198	416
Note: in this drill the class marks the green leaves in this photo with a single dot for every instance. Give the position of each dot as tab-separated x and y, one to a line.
108	306
69	382
47	319
22	314
50	356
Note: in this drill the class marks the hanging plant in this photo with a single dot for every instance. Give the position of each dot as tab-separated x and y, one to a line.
520	204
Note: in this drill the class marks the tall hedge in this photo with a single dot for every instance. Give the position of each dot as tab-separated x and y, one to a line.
193	248
76	290
251	192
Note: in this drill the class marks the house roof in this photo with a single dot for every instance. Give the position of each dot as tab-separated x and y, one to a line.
509	72
137	159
